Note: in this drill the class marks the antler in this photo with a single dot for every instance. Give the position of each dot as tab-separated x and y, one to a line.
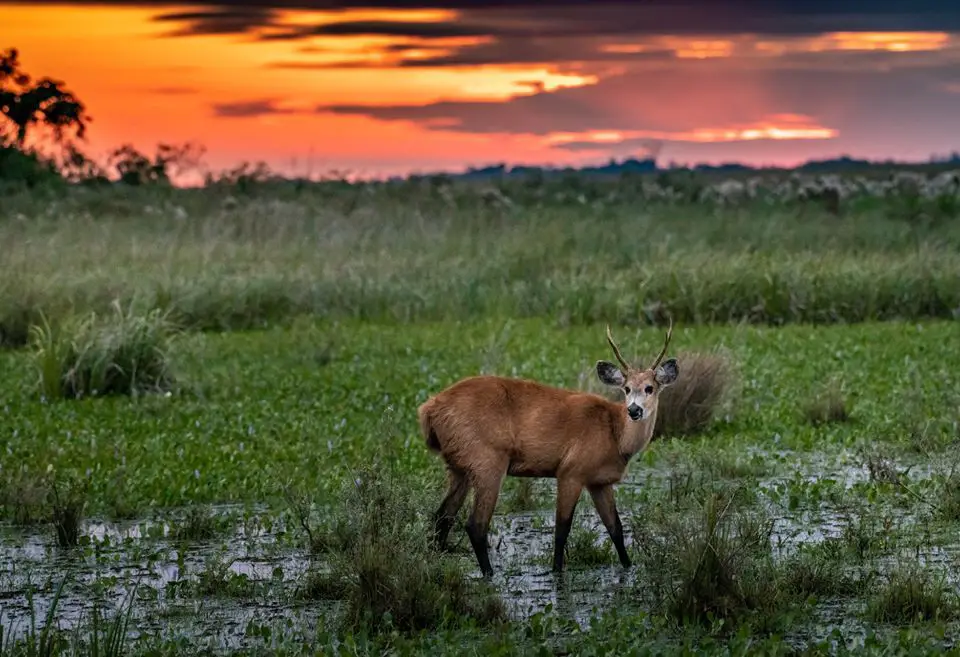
666	343
616	350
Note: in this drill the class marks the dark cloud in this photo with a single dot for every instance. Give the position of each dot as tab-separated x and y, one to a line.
555	18
381	28
613	148
567	33
250	108
567	52
224	20
709	96
526	52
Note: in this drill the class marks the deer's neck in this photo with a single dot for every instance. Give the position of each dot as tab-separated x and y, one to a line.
635	436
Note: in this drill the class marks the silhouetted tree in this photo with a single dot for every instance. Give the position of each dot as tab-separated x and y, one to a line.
136	168
25	104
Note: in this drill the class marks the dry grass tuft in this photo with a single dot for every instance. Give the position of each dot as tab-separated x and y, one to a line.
689	405
692	403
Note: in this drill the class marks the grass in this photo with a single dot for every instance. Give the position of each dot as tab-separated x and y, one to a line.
401	254
822	570
912	594
67	511
829	405
695	400
713	564
702	391
125	354
260	419
384	568
198	524
409	290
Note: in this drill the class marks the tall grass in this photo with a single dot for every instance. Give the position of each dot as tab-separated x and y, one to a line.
214	261
709	562
90	356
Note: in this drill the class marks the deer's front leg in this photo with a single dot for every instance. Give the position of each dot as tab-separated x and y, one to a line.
606	505
568	493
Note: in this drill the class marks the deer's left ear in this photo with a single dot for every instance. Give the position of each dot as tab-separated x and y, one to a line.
667	373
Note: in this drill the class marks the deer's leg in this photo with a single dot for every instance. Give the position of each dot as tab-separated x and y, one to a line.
486	490
445	515
606	505
568	493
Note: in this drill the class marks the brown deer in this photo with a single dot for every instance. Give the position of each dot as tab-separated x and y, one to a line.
488	427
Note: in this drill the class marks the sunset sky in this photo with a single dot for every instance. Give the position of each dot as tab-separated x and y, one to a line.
378	88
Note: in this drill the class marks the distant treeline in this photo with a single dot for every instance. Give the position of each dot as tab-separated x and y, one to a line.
843	164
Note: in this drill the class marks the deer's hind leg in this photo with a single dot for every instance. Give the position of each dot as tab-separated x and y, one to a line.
486	482
444	516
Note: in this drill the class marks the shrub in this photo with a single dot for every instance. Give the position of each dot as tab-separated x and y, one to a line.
22	169
381	562
89	357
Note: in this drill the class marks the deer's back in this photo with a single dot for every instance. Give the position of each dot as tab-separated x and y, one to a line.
534	426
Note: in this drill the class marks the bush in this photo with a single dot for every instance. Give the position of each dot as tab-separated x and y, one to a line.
90	357
383	566
22	169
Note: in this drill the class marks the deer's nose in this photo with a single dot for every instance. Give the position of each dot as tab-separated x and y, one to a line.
635	411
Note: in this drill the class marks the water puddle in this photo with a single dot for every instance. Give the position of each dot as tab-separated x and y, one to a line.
220	591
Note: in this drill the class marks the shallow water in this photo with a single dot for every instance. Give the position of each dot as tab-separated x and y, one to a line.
143	552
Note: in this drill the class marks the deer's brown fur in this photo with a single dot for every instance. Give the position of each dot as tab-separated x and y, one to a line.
489	427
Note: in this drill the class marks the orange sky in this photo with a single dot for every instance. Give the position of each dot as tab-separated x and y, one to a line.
314	103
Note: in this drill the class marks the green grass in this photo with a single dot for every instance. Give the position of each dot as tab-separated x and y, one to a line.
334	311
309	423
407	254
124	354
262	413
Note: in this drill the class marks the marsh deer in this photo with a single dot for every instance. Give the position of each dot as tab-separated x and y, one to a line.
488	427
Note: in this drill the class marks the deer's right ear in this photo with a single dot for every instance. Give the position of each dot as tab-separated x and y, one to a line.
610	374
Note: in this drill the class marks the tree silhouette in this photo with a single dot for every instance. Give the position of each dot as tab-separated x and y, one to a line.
25	104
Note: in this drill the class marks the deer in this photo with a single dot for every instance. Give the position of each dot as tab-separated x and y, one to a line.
487	427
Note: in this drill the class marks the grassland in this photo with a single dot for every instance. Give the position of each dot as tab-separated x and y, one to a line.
435	252
270	492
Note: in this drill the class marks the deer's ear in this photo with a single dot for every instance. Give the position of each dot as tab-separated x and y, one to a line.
610	374
667	373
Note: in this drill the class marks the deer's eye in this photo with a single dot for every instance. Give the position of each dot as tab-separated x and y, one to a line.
648	390
626	389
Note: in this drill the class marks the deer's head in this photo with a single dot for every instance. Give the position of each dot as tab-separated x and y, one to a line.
641	386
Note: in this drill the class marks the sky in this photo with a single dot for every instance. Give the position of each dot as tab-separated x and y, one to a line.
383	88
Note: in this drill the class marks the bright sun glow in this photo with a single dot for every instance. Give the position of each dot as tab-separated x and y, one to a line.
856	41
776	126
